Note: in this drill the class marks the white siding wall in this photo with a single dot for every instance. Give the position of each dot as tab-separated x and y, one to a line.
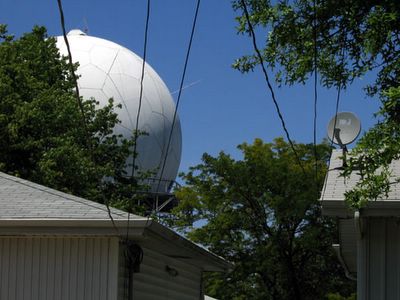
154	283
348	243
58	268
379	260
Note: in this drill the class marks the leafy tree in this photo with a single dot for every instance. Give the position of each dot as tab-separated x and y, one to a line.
44	137
262	214
337	296
351	39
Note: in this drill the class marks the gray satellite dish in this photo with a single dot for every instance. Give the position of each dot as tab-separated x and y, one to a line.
344	128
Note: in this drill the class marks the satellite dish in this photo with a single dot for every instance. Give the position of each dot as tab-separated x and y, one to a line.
344	128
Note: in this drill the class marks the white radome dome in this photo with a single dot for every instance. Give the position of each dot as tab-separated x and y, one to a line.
108	70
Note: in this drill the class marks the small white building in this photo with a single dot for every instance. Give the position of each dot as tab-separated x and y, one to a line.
369	239
57	246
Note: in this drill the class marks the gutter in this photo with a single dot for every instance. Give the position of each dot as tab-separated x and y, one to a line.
51	222
54	226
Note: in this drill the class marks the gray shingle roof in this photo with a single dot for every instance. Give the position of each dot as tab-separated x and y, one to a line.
335	186
332	197
28	208
22	199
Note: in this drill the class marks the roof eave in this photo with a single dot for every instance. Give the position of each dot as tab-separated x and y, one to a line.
377	208
138	229
208	260
49	226
336	208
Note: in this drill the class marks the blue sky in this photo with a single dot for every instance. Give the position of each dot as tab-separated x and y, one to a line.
223	108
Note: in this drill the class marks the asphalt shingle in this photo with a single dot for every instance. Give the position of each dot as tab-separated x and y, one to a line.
22	199
335	185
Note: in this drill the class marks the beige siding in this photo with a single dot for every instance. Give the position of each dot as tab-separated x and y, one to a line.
58	268
154	283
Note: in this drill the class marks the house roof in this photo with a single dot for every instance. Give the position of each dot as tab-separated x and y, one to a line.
22	199
27	208
332	195
350	222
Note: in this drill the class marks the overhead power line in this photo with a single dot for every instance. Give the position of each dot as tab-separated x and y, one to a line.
180	92
315	59
135	139
136	134
78	97
261	59
74	77
339	88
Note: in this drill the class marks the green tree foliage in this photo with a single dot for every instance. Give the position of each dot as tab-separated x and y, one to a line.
44	137
352	38
262	214
337	296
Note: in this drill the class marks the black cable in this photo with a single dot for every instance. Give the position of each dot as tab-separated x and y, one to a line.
315	96
78	98
136	135
134	257
269	85
331	145
180	93
334	126
134	154
74	77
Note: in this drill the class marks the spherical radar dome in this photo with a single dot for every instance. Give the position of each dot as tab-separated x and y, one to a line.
108	70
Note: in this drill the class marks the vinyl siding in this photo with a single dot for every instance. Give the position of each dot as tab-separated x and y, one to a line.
348	243
379	260
58	268
153	282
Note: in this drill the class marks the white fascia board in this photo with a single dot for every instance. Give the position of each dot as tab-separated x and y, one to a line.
72	227
381	208
377	208
336	208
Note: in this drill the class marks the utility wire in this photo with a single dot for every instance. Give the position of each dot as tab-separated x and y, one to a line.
180	92
339	88
136	134
71	66
78	98
315	95
135	139
331	145
252	33
128	282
